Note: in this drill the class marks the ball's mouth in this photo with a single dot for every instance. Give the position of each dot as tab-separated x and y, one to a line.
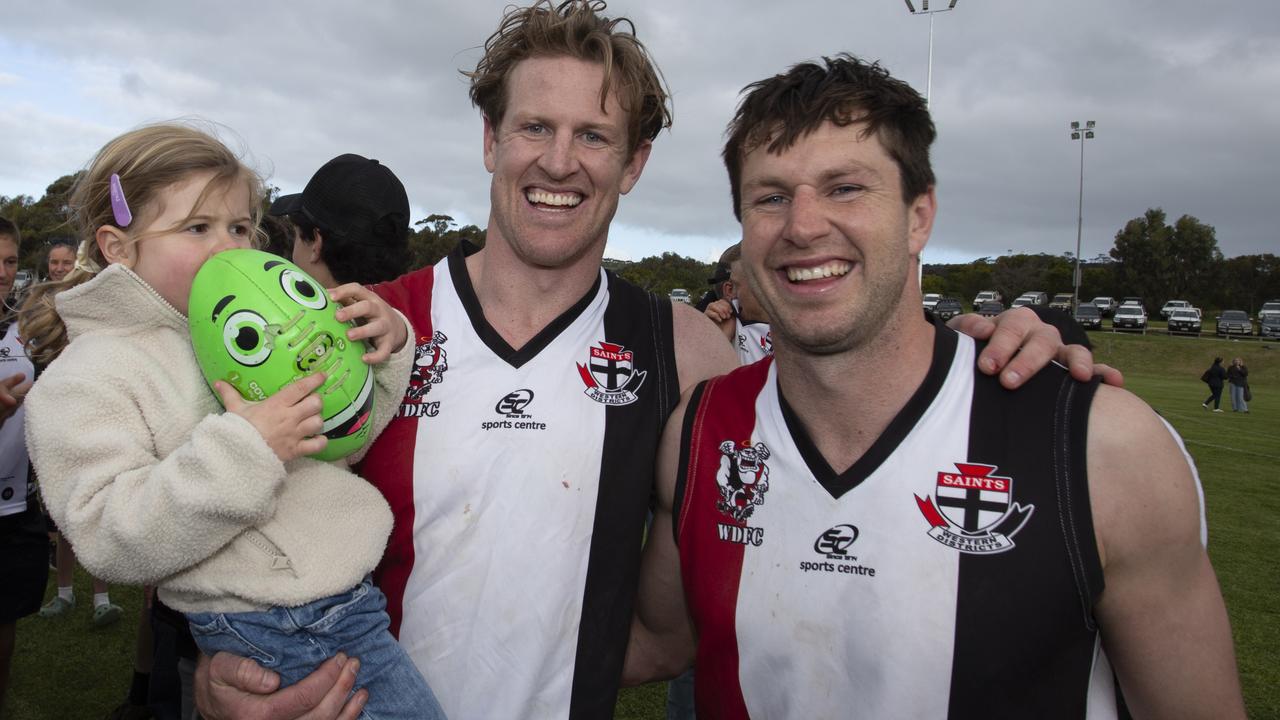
350	419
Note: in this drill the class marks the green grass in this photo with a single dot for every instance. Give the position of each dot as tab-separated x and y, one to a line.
64	669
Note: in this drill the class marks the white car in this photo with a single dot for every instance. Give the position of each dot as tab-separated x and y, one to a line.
1130	317
930	300
680	295
1172	305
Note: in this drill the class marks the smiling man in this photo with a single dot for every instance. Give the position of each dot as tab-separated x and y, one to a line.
928	545
521	464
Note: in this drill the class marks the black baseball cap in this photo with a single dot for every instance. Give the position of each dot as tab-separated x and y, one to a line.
727	257
352	196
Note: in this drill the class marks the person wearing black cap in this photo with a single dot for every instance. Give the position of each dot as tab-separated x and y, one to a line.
719	282
352	222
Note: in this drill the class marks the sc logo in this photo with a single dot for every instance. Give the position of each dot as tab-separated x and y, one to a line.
514	402
836	540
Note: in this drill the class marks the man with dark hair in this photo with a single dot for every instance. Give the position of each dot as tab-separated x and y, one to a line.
352	222
521	463
926	545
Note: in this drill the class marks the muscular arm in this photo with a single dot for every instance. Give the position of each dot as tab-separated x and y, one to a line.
662	640
661	643
1163	621
701	351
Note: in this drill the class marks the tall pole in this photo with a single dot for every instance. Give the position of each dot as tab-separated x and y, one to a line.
928	85
928	82
1081	134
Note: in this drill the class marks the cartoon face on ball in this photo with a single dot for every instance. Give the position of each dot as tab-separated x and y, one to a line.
258	322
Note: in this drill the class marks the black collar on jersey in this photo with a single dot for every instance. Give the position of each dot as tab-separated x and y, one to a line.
491	337
837	484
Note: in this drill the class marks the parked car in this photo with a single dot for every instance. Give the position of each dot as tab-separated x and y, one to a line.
1130	317
1270	308
1036	297
947	308
1106	305
21	279
1184	320
1234	322
1270	327
986	296
1134	301
1062	301
1172	305
991	308
680	295
931	299
1089	316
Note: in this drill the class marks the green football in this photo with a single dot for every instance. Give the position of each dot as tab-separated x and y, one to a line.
259	322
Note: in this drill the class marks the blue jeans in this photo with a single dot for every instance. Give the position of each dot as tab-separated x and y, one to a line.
295	641
680	704
1237	399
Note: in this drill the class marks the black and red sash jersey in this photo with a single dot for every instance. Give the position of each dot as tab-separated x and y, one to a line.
520	482
951	572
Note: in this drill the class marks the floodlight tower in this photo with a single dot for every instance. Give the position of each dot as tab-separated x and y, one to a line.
924	10
928	84
1081	134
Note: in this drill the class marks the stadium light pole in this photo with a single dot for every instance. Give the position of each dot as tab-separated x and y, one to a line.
928	85
1081	134
924	10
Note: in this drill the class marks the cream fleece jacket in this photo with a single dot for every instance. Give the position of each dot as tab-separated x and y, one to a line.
154	484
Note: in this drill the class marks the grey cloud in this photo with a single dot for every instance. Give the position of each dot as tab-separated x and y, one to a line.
1183	93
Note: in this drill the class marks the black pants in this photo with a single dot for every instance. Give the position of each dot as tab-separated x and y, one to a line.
1215	395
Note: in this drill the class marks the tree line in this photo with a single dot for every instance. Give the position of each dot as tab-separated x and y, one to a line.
1151	259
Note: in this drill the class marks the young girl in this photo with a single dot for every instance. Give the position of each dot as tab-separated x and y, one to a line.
265	550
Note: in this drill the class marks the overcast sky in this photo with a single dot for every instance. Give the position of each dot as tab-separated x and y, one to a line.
1186	95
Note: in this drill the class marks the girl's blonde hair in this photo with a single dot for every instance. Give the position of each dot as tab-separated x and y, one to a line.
148	160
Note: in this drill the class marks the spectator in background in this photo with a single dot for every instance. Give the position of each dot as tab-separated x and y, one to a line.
23	559
738	315
59	259
719	281
280	236
1214	377
1238	376
351	222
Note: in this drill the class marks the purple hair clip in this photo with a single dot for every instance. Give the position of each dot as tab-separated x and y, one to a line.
119	206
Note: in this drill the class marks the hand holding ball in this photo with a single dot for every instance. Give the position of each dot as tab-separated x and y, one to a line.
258	323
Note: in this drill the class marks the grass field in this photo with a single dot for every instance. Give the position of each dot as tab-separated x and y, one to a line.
65	670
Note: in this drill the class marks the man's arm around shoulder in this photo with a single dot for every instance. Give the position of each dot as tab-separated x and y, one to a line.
1163	621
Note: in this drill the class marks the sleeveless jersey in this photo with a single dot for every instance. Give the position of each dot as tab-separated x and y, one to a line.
949	573
15	485
520	482
753	340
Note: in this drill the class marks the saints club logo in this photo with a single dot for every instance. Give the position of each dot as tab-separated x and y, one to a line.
765	342
610	374
975	512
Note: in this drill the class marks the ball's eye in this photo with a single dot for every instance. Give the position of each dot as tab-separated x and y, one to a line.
245	337
303	290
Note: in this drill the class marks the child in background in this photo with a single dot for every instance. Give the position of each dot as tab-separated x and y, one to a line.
265	550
